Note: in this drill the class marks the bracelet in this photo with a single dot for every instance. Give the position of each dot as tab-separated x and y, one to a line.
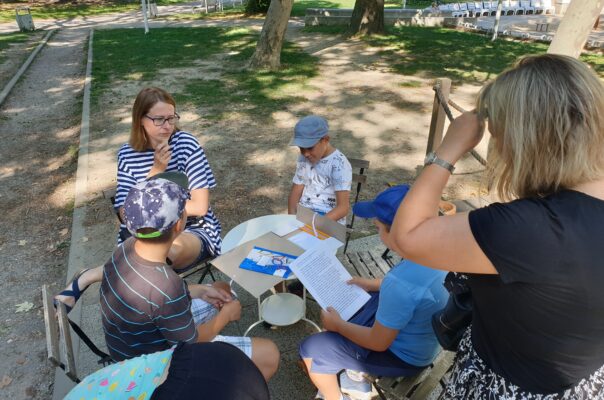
431	158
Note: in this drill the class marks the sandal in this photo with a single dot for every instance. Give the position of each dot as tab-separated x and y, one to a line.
74	292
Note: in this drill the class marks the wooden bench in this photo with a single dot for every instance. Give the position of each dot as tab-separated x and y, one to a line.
58	337
371	264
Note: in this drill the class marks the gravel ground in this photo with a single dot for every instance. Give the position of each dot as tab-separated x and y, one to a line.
39	128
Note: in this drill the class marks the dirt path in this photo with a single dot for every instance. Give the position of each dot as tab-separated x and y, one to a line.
39	128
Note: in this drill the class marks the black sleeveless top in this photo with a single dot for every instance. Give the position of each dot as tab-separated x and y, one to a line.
540	322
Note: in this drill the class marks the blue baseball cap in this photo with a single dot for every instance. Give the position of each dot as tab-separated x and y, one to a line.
384	206
157	204
309	130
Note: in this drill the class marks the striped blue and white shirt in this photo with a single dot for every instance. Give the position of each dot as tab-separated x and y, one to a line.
187	157
145	306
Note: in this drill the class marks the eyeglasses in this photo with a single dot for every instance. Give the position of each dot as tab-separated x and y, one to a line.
159	121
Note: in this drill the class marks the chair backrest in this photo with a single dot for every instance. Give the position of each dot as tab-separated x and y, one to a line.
463	6
455	6
513	3
478	5
359	178
58	335
536	3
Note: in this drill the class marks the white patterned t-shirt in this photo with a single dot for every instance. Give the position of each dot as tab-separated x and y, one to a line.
322	180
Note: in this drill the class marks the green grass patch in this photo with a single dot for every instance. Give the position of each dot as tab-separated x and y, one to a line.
300	6
9	39
75	9
227	13
460	56
127	54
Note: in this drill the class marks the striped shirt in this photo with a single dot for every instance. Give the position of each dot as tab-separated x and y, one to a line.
145	305
187	157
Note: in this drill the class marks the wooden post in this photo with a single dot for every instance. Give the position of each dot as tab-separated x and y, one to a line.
437	123
575	27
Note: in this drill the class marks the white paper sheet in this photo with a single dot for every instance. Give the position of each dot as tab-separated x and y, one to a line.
310	242
325	278
289	226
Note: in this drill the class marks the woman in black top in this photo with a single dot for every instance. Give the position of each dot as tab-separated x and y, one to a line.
536	262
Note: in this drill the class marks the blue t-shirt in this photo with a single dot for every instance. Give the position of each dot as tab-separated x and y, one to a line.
410	294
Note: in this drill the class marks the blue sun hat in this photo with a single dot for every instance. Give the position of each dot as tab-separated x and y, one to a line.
384	206
157	204
309	130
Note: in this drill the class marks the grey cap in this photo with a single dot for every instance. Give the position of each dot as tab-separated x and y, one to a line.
309	130
156	204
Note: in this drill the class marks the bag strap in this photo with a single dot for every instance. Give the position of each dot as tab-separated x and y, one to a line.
104	357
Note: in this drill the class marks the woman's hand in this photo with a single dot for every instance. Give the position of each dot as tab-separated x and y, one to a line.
464	133
161	158
331	319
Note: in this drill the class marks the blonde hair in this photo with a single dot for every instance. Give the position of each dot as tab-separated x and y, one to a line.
546	115
145	100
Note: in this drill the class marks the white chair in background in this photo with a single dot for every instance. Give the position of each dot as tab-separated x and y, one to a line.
516	8
480	10
543	7
528	9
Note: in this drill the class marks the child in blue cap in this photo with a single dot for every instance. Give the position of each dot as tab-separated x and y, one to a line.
392	334
323	174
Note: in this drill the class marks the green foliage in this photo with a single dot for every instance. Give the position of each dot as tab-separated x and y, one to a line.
257	6
127	55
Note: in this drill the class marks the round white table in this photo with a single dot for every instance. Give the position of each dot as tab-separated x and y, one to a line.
279	309
253	228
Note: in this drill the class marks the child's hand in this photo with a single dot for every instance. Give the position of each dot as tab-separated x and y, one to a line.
331	319
215	296
363	283
232	309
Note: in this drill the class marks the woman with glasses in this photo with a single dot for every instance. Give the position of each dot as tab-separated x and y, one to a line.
534	262
158	145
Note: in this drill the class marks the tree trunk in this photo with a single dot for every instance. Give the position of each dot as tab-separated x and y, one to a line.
574	29
497	19
268	48
367	17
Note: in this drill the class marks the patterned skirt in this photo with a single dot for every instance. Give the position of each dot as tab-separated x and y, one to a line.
471	378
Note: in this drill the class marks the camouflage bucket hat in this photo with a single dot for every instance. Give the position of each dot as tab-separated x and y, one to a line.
156	204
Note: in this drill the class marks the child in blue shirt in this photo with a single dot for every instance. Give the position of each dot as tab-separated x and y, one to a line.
392	334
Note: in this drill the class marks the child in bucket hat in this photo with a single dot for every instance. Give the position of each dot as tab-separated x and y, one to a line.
146	306
323	174
392	333
137	279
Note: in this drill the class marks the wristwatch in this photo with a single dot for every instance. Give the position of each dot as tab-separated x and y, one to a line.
431	158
